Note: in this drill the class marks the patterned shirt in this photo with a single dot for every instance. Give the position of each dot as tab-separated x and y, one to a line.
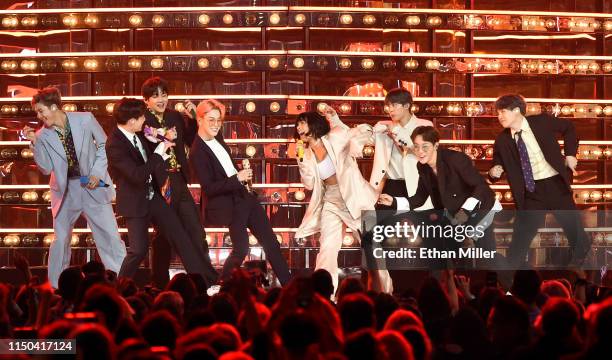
65	136
172	162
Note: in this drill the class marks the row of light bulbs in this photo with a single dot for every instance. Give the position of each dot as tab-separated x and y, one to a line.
14	240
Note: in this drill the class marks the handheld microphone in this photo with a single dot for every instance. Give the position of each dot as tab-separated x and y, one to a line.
300	150
85	181
193	113
249	183
152	132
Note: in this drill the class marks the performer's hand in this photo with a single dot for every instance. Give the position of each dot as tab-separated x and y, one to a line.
461	217
168	145
496	171
385	199
93	182
171	133
190	109
29	133
245	175
571	162
463	283
329	112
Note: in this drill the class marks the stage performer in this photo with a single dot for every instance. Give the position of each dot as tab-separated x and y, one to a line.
70	148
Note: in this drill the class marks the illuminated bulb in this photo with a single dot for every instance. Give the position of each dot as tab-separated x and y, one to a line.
595	24
274	18
274	106
204	19
180	107
29	240
203	63
251	151
46	196
346	19
566	110
594	67
27	153
347	240
369	19
432	64
91	64
368	151
453	109
607	153
298	62
228	19
391	20
595	195
8	65
300	18
279	238
29	21
434	21
29	196
273	62
583	67
70	20
252	240
321	107
11	240
226	63
74	240
135	63
607	67
208	239
10	21
367	63
300	195
91	20
607	195
250	106
607	111
158	20
345	108
498	196
135	20
608	25
157	63
581	109
28	65
69	107
597	153
508	196
411	64
585	195
345	63
586	153
48	239
413	20
110	107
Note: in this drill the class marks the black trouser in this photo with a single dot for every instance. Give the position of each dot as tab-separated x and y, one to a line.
248	213
185	208
552	195
168	223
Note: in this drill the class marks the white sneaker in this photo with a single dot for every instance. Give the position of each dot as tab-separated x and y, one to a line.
213	290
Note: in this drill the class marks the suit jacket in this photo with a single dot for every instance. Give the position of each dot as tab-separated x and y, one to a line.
185	135
89	141
218	191
356	192
505	151
458	182
131	173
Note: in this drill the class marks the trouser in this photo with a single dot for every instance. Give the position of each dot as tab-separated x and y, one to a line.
100	218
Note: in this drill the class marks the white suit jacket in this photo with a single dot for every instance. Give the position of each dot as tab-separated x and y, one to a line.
343	145
89	142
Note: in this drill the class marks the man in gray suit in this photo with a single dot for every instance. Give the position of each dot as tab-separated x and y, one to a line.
70	147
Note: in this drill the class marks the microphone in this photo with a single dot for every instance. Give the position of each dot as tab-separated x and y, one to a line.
85	181
300	150
249	183
193	113
152	132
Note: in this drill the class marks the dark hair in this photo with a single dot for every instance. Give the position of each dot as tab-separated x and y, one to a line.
128	108
398	96
356	312
511	102
428	133
526	285
152	85
317	124
47	96
322	283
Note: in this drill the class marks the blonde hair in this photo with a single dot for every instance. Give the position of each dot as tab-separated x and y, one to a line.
208	105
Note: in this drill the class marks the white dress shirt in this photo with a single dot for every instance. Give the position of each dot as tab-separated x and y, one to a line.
540	167
395	170
223	157
158	150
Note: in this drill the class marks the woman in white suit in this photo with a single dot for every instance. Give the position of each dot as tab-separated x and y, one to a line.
339	191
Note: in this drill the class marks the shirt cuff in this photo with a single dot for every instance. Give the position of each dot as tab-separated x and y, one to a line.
159	150
470	204
402	203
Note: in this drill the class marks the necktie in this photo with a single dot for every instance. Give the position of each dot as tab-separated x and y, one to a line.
525	164
144	157
149	184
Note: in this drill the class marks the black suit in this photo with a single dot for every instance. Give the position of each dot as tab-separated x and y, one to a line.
132	176
181	201
225	202
553	193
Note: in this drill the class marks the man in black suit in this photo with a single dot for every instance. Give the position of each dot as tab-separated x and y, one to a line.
174	183
136	170
225	199
538	174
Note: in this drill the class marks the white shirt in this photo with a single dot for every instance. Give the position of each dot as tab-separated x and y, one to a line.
395	169
158	150
539	166
223	157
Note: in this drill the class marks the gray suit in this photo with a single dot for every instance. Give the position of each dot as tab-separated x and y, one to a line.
69	198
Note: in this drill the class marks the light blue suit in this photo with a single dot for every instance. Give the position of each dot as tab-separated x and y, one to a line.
69	198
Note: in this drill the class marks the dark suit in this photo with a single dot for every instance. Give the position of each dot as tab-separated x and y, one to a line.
131	174
456	181
552	194
181	201
225	202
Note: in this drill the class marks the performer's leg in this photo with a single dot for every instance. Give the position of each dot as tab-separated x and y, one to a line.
138	238
330	242
101	219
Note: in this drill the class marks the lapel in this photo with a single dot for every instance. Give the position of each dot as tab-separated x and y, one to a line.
511	146
216	163
78	132
54	141
128	144
441	176
329	148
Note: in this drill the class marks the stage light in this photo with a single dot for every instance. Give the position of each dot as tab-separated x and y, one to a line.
279	238
226	63
595	195
203	63
323	19
432	64
27	153
74	240
11	240
69	107
414	108
345	108
274	106
411	64
389	64
345	63
89	240
91	20
299	195
585	195
208	239
180	107
10	21
157	63
29	196
135	63
228	19
607	195
608	25
29	240
347	240
252	240
204	19
48	239
299	241
70	20
594	67
369	20
346	19
298	62
158	20
607	111
135	20
300	18
46	196
508	196
90	64
498	196
434	21
597	153
274	19
251	151
9	65
566	110
29	21
367	63
29	65
607	153
368	151
453	109
413	20
110	107
69	64
250	63
391	20
250	107
273	62
321	107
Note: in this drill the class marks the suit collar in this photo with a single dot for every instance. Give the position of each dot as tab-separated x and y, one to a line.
441	169
77	130
120	136
211	153
54	141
